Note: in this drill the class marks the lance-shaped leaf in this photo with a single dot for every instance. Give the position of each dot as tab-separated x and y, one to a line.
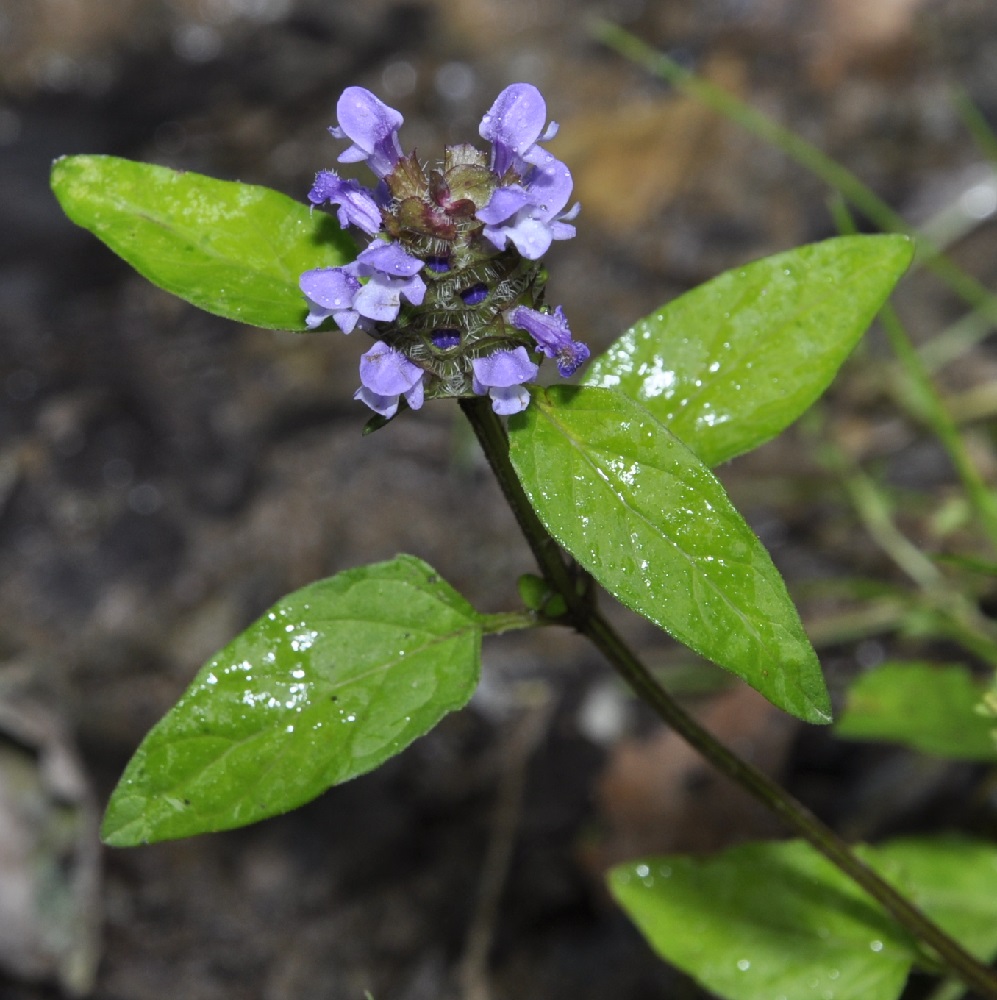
236	250
331	682
733	362
654	526
763	921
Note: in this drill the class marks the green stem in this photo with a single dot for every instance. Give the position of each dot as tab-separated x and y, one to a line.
495	444
587	620
924	399
932	410
508	621
977	126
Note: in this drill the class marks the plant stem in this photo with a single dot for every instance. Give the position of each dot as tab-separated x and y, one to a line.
495	444
587	621
932	410
507	621
923	399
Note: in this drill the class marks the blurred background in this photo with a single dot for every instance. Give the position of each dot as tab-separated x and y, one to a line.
165	476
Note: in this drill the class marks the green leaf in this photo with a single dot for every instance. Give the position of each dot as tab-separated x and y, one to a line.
233	249
331	682
764	921
921	705
953	879
653	525
733	362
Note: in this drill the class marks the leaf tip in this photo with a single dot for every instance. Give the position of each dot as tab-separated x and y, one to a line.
114	834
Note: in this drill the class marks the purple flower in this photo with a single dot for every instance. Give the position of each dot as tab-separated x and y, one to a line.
330	291
530	216
419	221
501	375
444	339
357	206
513	125
373	128
392	273
550	331
385	376
474	295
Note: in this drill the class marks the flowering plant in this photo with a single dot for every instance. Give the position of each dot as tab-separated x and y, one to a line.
610	481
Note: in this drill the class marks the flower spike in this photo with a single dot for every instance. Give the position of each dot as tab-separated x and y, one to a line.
450	286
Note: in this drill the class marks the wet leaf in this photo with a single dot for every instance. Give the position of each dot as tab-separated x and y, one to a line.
730	364
953	879
654	526
770	920
921	705
235	250
331	682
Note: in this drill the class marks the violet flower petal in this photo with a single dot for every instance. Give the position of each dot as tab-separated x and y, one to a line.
504	368
388	372
513	124
416	395
553	337
388	258
509	400
330	291
357	206
385	376
530	236
380	298
392	274
386	406
373	128
549	183
503	204
527	214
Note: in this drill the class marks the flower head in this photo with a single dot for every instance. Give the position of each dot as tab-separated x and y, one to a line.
450	286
